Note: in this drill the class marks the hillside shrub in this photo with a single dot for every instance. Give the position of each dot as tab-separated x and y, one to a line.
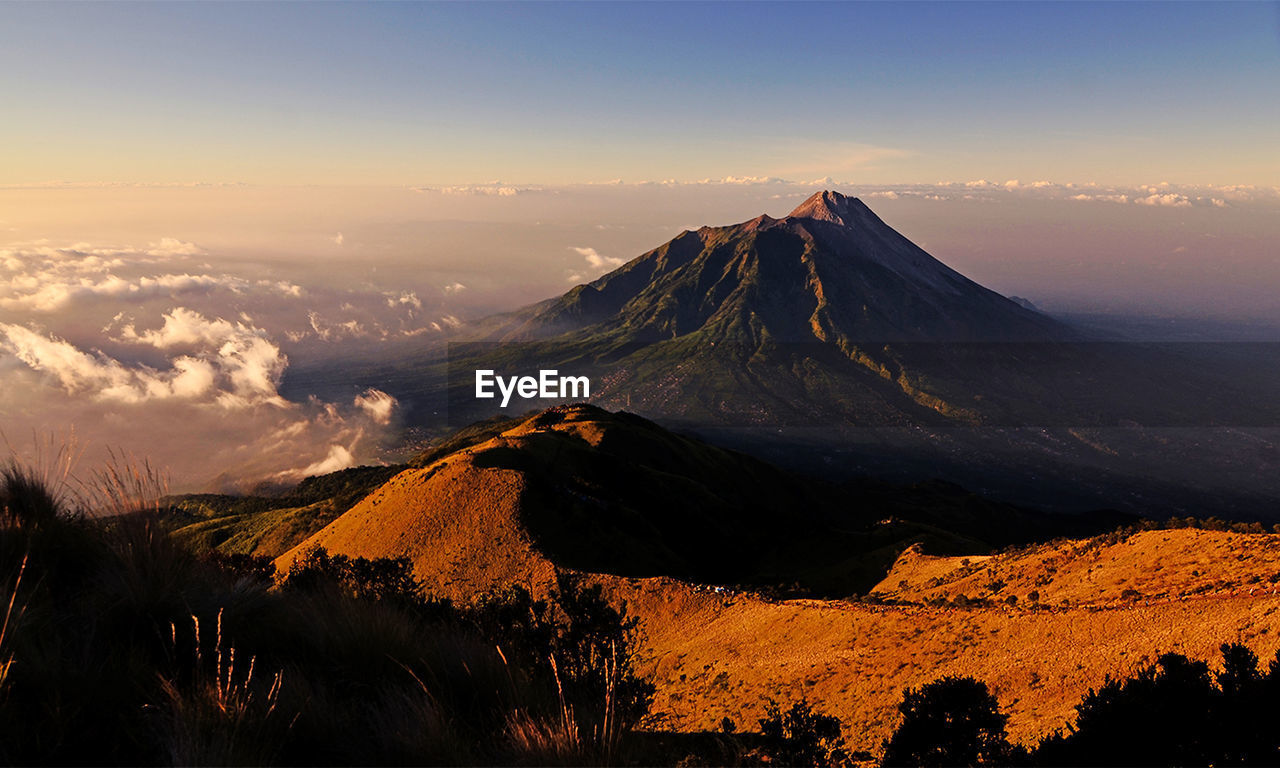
949	722
802	736
1175	712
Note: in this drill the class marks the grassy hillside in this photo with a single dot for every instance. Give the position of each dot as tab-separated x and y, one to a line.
128	637
717	649
716	655
266	526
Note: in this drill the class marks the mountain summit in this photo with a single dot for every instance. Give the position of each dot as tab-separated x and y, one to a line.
833	207
830	272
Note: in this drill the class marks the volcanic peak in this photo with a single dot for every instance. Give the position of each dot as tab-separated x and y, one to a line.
831	207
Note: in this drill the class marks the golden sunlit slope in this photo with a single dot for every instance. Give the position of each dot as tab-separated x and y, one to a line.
718	655
458	523
1146	566
715	656
602	492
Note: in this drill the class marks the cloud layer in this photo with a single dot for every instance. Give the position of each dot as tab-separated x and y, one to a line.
148	349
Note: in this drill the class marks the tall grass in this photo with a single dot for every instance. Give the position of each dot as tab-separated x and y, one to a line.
7	661
120	646
223	715
579	649
37	489
124	485
572	736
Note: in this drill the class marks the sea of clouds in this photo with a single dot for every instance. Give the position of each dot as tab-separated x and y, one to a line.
154	351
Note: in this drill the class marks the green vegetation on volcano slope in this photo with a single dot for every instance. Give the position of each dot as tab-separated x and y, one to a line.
269	525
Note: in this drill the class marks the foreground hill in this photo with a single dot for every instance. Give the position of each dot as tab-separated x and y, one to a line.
580	488
511	502
483	515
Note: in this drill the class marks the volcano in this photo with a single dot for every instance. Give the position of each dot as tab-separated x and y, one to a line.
827	315
830	272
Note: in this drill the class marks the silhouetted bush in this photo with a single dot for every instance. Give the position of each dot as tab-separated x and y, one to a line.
949	722
259	568
1158	717
382	578
1174	712
802	736
26	500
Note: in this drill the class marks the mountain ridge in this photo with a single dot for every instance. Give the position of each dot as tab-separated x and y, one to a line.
581	488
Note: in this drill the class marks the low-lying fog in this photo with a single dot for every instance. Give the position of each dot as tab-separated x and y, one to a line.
161	320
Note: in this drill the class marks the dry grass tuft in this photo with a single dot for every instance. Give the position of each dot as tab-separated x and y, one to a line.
125	485
38	487
7	662
545	741
222	717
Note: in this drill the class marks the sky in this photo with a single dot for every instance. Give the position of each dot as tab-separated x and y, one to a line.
456	93
203	203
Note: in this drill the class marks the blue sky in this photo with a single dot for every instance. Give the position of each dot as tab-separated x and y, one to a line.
404	93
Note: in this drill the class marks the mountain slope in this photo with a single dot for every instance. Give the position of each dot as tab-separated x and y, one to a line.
797	338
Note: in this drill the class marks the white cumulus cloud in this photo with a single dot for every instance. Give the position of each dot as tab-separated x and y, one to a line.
596	261
338	458
1106	198
377	404
233	365
404	298
171	246
52	290
104	378
1169	199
